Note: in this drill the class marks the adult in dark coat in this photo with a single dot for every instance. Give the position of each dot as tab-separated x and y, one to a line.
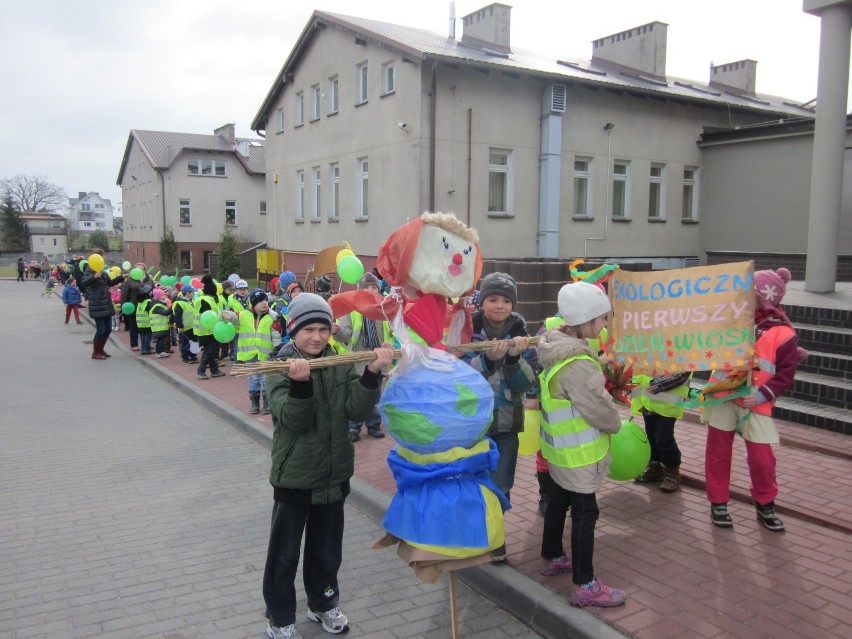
20	269
101	309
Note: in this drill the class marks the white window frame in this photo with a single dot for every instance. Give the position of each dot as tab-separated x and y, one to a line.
300	196
502	172
333	95
205	167
281	120
262	210
689	213
316	180
362	82
334	191
388	77
231	208
363	210
582	182
316	101
622	181
299	108
657	192
185	205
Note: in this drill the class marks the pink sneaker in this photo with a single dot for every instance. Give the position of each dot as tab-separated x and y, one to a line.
598	594
558	566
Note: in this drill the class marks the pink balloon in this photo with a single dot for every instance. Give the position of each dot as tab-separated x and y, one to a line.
196	283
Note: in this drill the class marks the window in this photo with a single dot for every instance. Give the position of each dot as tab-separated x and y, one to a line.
99	206
315	102
316	211
690	191
656	193
263	208
300	196
582	180
363	189
86	207
185	212
499	181
619	189
361	85
230	212
334	191
54	241
206	168
332	95
206	261
388	78
300	108
280	120
186	260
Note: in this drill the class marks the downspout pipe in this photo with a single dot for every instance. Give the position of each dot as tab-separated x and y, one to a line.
550	175
469	158
433	122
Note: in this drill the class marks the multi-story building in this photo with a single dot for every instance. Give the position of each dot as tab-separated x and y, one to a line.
48	234
369	124
90	212
196	185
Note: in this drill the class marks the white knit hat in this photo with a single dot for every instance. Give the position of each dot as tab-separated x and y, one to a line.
582	302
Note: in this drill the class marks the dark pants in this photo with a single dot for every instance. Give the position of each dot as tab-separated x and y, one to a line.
185	338
504	474
209	351
20	276
323	527
130	325
162	342
145	340
660	431
584	515
103	327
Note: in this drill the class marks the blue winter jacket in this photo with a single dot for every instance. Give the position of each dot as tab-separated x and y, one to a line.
71	295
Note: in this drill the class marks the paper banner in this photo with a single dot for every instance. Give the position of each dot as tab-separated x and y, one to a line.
691	319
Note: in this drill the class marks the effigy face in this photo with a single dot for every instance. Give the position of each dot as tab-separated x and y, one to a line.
430	411
444	263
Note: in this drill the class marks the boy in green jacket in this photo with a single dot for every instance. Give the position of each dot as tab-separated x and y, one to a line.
312	462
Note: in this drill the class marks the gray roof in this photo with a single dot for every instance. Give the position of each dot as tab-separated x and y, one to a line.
420	45
163	147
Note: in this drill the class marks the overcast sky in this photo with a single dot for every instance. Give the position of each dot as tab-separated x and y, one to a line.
78	75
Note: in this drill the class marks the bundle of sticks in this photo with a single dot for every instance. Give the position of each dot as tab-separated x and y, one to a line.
355	357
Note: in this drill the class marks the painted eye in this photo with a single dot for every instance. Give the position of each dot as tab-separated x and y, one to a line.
446	244
468	250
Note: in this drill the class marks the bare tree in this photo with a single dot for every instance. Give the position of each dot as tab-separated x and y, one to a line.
34	193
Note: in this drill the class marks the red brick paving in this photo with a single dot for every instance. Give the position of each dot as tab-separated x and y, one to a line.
683	576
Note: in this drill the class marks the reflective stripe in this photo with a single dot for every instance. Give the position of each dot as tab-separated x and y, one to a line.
666	398
766	365
560	414
571	440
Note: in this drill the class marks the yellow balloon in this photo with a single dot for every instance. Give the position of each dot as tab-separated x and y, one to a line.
528	439
114	272
96	262
343	254
218	288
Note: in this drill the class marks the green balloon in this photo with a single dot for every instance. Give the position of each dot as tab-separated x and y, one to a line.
186	279
350	269
209	319
630	452
224	332
137	274
167	280
128	308
83	264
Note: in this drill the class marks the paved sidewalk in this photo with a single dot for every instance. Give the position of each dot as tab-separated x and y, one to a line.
683	576
127	510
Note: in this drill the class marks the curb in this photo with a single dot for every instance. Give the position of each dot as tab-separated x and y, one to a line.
536	606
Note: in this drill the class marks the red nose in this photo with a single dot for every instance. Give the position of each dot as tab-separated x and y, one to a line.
457	259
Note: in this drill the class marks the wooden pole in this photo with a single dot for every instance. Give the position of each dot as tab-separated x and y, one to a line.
454	613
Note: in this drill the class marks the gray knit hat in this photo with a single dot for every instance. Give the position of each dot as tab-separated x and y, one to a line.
307	308
499	284
368	280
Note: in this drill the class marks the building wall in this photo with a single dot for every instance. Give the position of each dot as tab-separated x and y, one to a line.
756	193
139	206
49	244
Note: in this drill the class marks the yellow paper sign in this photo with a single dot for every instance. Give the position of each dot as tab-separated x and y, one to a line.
691	319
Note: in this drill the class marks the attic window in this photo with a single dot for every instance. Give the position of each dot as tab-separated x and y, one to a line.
360	41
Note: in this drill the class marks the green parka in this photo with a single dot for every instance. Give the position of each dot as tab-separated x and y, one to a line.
311	449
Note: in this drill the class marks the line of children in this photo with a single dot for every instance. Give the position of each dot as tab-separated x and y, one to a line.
183	314
143	318
72	298
209	300
159	317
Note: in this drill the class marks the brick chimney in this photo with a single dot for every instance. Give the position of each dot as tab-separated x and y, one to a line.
227	132
739	76
488	28
641	49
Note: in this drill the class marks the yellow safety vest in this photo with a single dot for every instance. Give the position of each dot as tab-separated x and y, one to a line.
159	323
215	306
254	339
664	403
143	320
567	439
357	322
188	313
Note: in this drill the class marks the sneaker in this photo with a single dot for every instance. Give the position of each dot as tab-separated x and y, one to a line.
720	516
558	566
202	376
284	632
217	374
164	354
332	621
766	515
146	352
597	594
376	431
134	348
186	360
79	322
498	554
654	472
354	435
